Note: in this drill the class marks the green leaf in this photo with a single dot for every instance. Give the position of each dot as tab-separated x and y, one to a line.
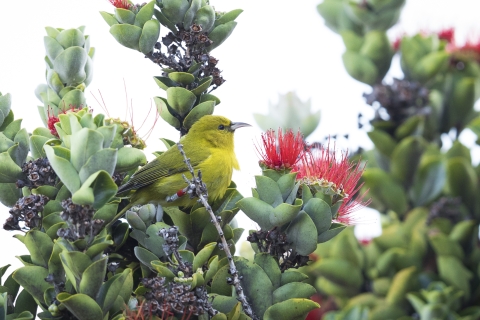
164	21
270	266
64	169
149	36
269	191
359	67
429	180
302	234
190	14
203	255
127	35
174	10
320	213
340	271
36	146
292	275
21	153
145	14
255	282
443	245
97	190
86	143
430	65
105	159
129	159
124	16
462	181
10	172
204	17
286	183
184	78
382	141
203	109
110	290
402	283
209	97
180	99
5	111
25	306
9	194
164	83
40	247
165	114
145	256
70	38
292	309
32	279
109	18
220	34
227	202
335	229
203	86
228	16
406	157
153	241
12	129
385	189
81	306
265	215
293	290
92	278
5	143
70	66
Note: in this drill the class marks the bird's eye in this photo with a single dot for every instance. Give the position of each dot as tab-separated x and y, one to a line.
221	127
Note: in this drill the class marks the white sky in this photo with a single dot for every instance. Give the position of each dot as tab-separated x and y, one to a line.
278	46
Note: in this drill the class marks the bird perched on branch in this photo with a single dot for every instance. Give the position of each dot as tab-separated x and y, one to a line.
209	145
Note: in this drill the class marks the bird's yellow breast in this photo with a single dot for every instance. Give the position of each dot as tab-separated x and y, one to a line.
216	174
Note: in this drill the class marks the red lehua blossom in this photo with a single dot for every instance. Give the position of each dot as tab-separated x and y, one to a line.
396	43
123	4
324	167
51	124
447	34
469	51
52	119
281	152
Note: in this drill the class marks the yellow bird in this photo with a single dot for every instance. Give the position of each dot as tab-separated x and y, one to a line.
209	145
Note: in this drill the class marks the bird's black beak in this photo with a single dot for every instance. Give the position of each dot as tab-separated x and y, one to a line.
235	125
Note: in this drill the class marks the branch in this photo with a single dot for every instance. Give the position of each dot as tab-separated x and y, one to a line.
196	187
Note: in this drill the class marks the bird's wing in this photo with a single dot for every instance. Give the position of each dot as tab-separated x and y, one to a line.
165	165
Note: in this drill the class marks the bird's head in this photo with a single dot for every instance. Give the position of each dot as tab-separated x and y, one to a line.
216	130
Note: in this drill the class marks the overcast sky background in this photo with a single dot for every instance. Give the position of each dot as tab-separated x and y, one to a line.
278	46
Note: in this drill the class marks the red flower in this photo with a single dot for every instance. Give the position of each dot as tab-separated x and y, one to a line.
396	43
51	124
469	51
281	152
52	119
338	177
447	34
123	4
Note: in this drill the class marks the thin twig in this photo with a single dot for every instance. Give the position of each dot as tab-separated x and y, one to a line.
197	188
